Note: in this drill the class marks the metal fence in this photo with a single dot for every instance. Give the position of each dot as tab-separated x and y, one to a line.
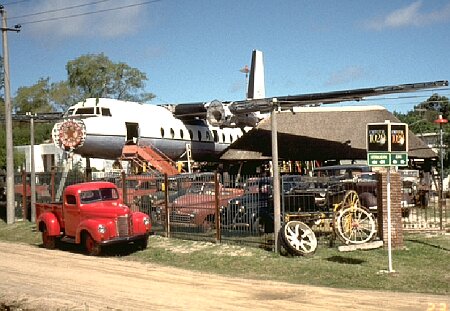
213	207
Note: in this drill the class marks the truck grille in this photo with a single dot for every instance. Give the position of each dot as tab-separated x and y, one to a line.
123	227
180	218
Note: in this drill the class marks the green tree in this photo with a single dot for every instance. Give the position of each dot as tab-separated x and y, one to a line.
34	99
421	120
95	75
63	95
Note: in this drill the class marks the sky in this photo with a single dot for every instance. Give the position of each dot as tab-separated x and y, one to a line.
192	51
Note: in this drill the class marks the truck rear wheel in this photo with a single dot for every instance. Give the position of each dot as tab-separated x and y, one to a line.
48	241
91	246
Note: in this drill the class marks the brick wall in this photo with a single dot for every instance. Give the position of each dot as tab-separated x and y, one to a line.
396	209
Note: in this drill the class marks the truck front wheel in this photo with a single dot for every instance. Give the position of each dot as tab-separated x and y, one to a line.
48	241
91	246
141	244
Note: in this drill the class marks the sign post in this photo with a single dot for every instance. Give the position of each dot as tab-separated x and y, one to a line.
387	145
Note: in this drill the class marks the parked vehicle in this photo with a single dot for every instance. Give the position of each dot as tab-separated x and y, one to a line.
254	210
353	177
197	208
414	191
92	214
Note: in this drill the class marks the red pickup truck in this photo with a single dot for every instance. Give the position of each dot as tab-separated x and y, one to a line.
92	214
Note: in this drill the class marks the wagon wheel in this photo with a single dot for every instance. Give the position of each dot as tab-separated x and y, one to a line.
351	199
355	225
299	239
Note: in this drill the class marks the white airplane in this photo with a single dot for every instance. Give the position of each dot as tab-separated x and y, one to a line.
102	127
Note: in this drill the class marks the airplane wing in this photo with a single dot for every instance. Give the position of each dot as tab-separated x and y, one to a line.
248	112
287	102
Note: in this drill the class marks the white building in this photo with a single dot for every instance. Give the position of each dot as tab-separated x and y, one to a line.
48	156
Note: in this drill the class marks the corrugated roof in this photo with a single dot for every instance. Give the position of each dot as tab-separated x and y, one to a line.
318	133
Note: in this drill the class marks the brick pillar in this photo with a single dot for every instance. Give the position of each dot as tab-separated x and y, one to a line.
396	209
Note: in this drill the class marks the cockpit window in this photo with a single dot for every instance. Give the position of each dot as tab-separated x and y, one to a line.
84	110
69	112
106	112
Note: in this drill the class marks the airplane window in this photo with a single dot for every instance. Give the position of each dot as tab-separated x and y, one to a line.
223	137
199	136
85	111
216	136
172	133
191	135
69	112
181	134
162	133
106	112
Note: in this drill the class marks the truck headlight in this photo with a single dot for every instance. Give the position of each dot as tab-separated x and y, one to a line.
101	229
146	221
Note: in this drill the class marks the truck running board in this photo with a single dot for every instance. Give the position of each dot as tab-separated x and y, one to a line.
68	240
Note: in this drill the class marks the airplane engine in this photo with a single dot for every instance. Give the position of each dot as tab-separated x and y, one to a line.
215	113
218	114
69	134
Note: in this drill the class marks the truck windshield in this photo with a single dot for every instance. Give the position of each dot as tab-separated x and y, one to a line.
102	194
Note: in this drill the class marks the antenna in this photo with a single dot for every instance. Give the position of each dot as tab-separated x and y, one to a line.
245	70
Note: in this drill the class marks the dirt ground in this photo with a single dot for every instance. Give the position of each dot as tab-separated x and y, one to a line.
34	278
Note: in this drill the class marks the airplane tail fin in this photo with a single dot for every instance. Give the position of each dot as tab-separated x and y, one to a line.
256	87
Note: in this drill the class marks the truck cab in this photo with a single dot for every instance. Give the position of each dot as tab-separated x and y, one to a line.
92	214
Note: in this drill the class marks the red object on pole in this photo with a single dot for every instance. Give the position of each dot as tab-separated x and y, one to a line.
440	120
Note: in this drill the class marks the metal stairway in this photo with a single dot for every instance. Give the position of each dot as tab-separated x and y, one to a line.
148	157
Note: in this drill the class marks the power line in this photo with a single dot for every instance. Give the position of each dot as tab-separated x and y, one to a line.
58	10
16	2
90	13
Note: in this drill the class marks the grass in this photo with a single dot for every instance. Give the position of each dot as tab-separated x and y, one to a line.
422	266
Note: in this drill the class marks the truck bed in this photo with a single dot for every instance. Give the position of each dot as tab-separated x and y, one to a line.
54	207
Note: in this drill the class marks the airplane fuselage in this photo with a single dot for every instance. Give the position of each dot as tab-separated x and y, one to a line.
99	128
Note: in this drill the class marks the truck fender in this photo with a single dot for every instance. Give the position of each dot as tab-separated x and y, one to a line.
91	226
138	223
50	222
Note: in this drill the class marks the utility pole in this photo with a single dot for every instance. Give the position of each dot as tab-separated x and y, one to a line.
32	167
276	174
441	121
8	122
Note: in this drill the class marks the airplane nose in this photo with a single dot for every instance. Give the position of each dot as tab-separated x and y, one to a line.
69	134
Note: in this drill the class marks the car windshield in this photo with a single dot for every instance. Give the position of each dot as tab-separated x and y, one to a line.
201	188
102	194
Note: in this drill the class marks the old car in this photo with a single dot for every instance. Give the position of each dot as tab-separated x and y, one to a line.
197	208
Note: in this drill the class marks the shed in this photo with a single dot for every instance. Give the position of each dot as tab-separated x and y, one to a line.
318	133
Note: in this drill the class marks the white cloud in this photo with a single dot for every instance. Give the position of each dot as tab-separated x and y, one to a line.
410	15
82	21
345	75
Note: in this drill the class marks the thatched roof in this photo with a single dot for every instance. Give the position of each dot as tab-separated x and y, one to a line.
318	133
